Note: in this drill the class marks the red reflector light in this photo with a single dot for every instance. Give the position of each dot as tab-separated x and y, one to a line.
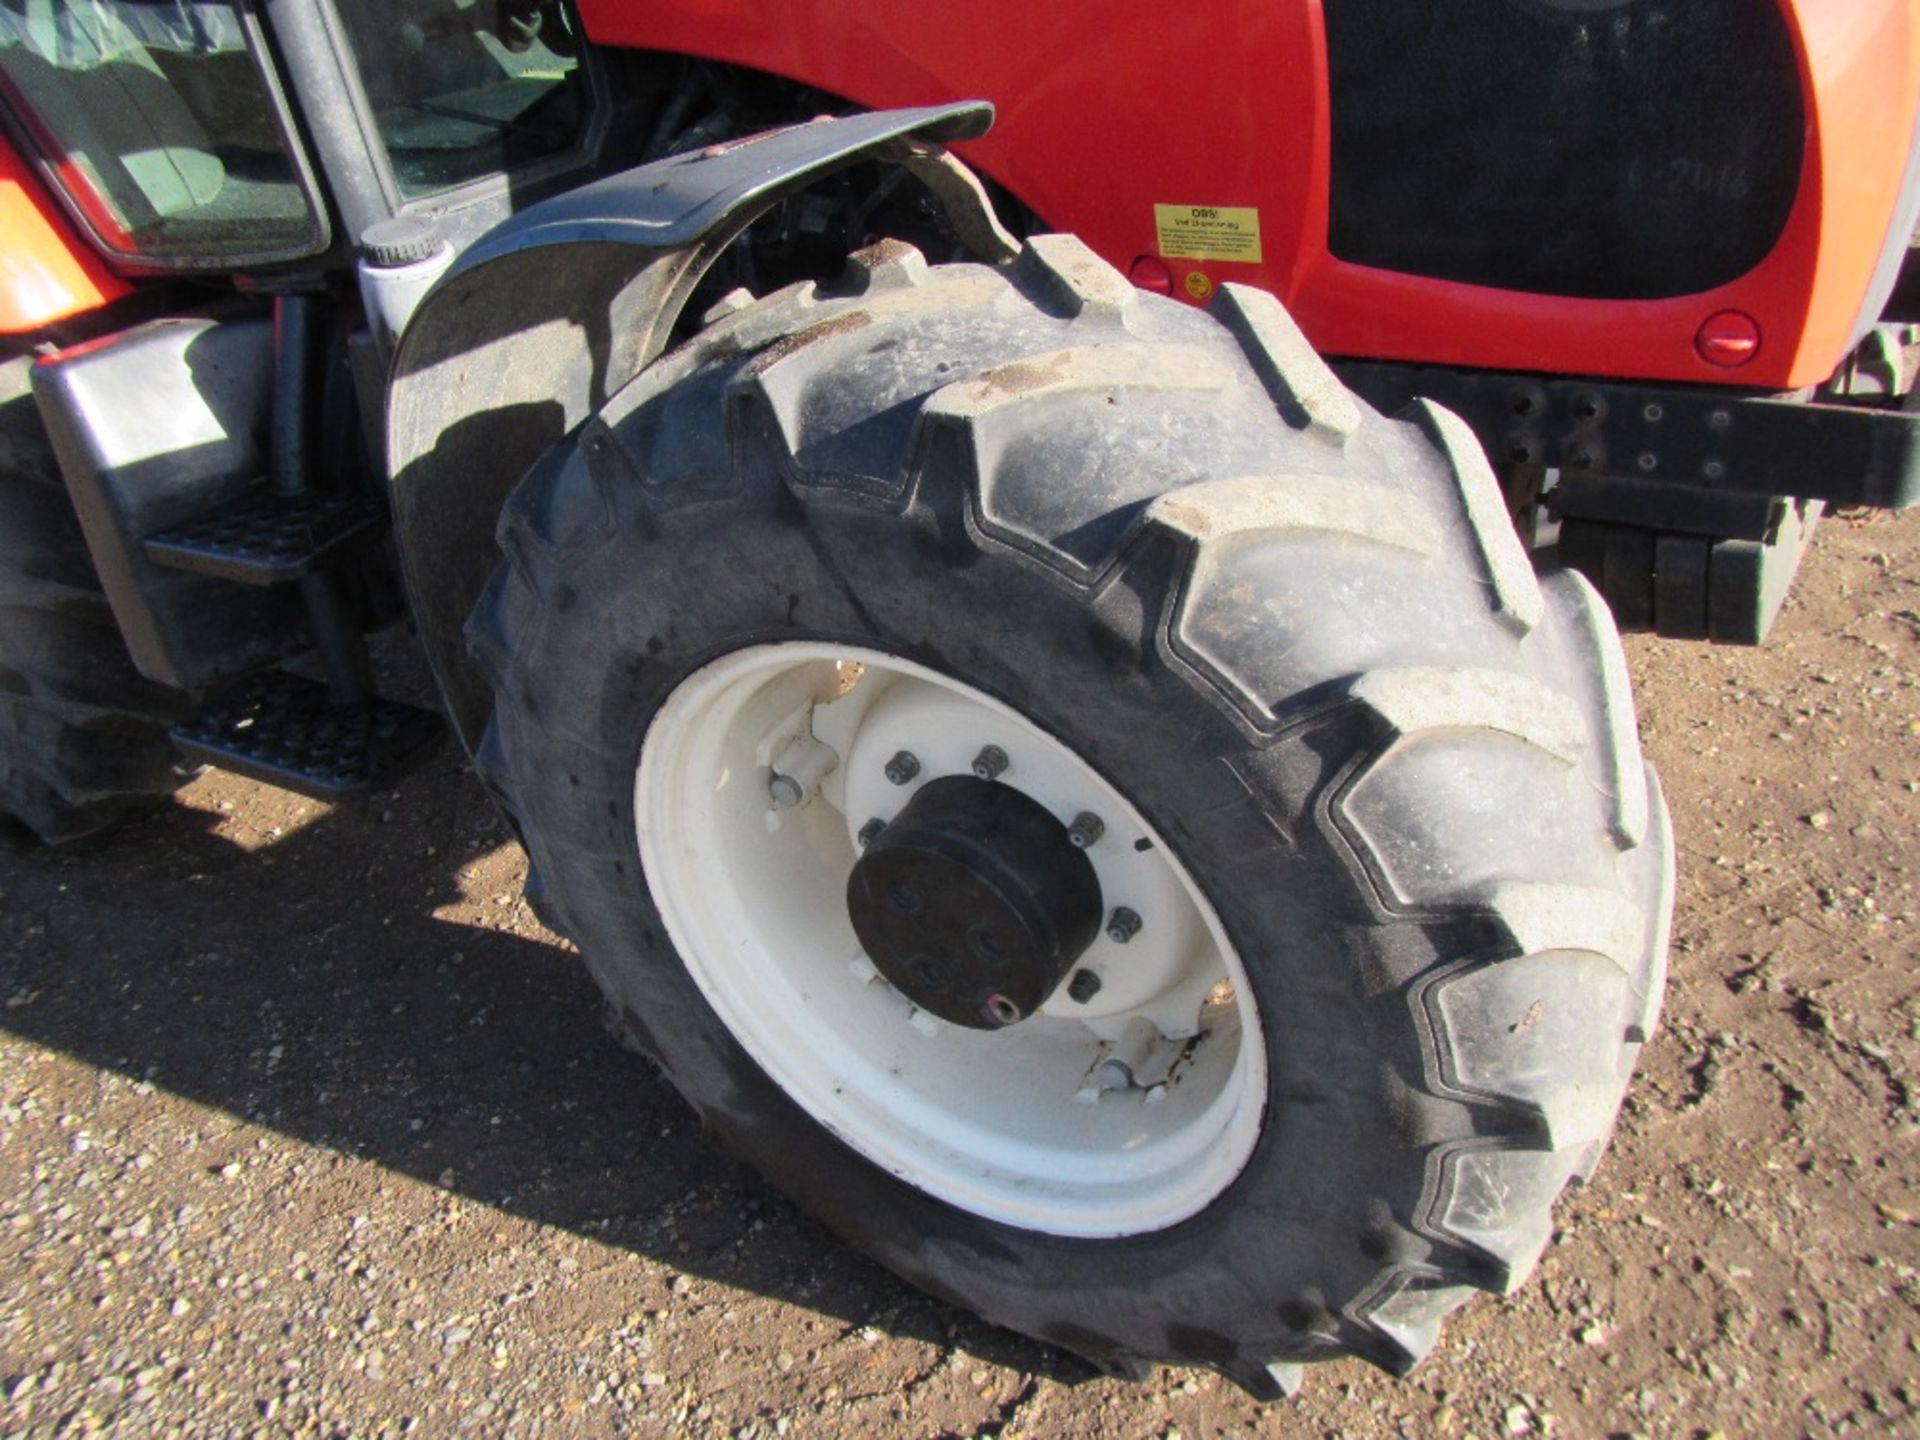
1150	272
1729	339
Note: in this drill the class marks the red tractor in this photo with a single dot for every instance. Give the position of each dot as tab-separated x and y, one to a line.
1063	677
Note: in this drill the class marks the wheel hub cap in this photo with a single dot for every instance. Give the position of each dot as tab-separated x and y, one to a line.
974	902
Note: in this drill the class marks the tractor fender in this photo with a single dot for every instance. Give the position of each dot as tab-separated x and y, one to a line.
548	315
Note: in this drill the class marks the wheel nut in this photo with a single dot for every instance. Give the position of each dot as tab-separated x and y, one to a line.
903	767
1123	925
1002	1011
1086	830
1083	986
990	763
870	832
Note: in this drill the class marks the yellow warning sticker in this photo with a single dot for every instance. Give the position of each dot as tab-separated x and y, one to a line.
1209	232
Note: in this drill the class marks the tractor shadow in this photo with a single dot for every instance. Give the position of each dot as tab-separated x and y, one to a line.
305	982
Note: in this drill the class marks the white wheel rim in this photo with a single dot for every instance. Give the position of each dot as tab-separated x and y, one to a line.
1012	1124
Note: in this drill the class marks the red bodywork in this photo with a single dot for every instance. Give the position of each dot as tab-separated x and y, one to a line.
1226	104
1105	113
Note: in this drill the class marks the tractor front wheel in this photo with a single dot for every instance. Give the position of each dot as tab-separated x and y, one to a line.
1109	823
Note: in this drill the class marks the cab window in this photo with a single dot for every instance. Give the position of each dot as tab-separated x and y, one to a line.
465	89
156	119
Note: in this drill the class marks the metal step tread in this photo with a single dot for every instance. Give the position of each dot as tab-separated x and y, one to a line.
284	730
265	538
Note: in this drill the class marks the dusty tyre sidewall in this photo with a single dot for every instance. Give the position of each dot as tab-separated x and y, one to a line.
1264	1271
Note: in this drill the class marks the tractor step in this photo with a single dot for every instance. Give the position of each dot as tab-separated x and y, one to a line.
284	730
265	538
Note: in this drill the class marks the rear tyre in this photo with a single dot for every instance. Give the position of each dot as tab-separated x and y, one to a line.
1290	650
83	736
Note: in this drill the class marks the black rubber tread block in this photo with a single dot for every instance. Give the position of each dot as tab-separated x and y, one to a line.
1680	586
1628	572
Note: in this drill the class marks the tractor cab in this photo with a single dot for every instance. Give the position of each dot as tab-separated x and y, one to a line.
191	137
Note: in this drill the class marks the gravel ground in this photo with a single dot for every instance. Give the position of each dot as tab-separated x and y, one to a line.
308	1128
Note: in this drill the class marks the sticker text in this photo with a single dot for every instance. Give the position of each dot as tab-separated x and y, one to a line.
1209	232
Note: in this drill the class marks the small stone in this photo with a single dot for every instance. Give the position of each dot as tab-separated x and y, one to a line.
1592	1335
1519	1420
1895	1215
1820	819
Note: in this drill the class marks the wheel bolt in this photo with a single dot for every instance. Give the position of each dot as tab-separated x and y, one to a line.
990	763
903	767
1123	925
798	770
870	832
1086	830
1083	986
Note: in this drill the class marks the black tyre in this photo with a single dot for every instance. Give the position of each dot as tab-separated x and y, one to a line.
83	736
1296	642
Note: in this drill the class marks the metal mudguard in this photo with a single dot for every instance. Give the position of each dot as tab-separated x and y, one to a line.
550	314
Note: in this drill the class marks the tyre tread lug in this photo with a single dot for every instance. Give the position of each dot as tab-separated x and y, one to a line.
1071	274
885	265
1411	700
1268	1383
1309	395
1402	1318
1625	772
1516	592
